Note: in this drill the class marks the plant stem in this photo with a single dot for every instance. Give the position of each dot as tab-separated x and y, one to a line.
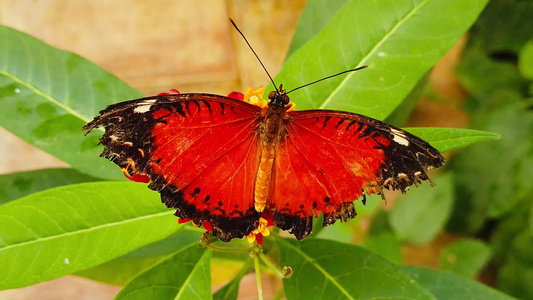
228	249
256	254
270	265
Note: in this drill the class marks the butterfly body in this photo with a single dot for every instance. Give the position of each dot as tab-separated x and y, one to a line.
229	162
272	128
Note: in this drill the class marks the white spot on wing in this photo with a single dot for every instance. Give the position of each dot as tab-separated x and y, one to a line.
399	137
381	54
17	90
142	108
67	261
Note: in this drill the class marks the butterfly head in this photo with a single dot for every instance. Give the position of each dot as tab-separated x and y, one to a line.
278	98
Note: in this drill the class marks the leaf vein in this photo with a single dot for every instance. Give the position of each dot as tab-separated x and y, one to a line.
103	226
374	50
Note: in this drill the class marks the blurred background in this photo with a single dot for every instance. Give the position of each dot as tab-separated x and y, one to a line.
483	216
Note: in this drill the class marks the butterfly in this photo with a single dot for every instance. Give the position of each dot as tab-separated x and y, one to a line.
229	162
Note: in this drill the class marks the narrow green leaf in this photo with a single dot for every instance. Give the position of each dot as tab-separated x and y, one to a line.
445	285
17	185
47	95
448	139
67	229
331	270
421	214
465	257
398	39
184	275
231	290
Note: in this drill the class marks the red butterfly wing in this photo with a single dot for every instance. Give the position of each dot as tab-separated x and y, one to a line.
328	159
199	150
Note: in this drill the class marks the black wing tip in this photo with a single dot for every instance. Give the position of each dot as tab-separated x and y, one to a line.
91	125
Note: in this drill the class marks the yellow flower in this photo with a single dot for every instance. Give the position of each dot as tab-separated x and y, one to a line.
255	97
261	229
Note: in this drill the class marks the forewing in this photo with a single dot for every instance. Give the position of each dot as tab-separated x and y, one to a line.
328	159
199	151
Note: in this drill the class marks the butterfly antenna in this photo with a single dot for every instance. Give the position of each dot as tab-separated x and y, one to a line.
235	25
347	71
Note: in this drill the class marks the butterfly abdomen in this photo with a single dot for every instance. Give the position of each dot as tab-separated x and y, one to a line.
263	177
271	127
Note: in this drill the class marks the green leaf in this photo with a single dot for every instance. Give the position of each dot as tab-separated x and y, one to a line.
525	61
385	244
419	215
67	229
47	95
401	114
120	271
184	275
231	290
17	185
465	257
448	139
316	14
398	39
186	235
332	270
445	285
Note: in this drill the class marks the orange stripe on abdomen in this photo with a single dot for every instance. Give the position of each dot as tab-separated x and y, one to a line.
263	177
